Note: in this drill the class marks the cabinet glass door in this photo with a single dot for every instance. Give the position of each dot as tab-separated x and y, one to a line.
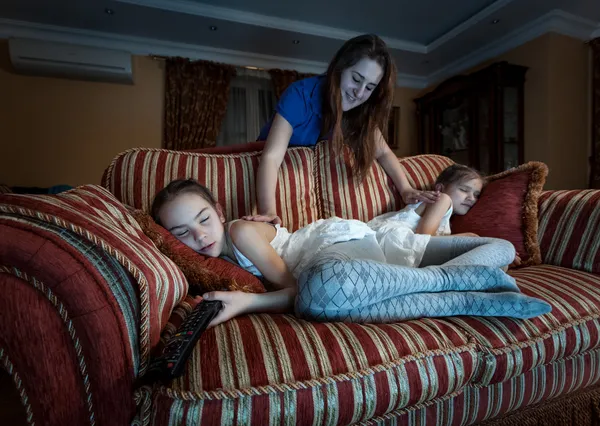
454	130
484	138
511	127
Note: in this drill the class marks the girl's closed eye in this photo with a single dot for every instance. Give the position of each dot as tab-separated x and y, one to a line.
182	233
202	220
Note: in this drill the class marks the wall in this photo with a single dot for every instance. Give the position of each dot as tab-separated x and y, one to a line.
58	131
407	129
557	106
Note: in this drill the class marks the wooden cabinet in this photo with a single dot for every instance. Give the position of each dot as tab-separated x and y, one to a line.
476	119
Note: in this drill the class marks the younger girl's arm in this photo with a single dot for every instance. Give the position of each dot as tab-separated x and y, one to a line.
390	164
433	214
270	161
253	240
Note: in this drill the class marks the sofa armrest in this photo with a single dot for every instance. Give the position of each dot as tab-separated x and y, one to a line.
569	229
68	335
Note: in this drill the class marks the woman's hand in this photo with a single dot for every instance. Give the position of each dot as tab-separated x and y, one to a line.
412	196
234	303
268	218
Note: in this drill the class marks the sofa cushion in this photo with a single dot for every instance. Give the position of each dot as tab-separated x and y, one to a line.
344	196
571	378
204	273
68	310
516	346
93	213
261	369
569	226
136	175
508	209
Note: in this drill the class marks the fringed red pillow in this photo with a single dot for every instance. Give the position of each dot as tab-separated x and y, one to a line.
202	272
508	209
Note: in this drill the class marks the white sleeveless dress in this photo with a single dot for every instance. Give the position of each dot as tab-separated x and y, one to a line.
298	249
395	232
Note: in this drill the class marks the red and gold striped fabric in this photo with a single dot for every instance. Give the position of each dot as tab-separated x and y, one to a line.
93	213
344	196
512	346
136	175
270	369
569	227
477	404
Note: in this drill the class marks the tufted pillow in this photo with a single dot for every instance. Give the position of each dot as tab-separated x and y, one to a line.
508	209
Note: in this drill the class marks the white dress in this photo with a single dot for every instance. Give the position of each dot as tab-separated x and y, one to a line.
395	233
298	249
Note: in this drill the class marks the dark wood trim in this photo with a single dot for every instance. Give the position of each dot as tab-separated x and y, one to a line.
595	158
483	89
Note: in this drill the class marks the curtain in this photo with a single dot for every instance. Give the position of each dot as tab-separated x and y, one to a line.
251	104
595	158
283	78
195	102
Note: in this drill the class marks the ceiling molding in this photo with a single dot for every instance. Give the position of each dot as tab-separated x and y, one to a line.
554	21
571	25
466	25
146	46
250	18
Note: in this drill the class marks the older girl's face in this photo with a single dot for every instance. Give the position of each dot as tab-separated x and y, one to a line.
358	82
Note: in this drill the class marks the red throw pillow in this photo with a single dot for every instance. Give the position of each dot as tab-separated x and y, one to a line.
202	272
508	209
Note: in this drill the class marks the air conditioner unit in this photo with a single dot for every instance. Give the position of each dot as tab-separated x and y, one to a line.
70	61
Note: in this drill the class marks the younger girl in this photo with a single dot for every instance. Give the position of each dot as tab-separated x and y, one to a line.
190	213
405	236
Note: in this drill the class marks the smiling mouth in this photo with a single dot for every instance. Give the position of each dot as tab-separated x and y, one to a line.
350	98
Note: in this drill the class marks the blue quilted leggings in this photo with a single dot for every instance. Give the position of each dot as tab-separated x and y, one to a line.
353	280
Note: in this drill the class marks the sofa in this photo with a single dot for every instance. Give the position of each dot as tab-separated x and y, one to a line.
86	297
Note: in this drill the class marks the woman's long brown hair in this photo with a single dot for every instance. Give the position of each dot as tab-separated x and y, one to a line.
356	127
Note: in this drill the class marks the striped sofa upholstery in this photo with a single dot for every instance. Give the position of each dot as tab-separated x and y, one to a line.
135	177
92	313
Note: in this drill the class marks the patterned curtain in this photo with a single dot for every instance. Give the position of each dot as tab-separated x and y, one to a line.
595	159
195	102
283	78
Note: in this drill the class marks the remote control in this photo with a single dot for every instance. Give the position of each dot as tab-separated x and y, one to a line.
170	364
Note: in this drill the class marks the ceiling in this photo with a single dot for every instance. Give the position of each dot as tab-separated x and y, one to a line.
429	39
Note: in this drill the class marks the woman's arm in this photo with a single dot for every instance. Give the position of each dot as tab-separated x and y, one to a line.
433	214
253	240
270	161
390	164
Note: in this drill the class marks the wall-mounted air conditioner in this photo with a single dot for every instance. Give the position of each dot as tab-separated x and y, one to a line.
70	61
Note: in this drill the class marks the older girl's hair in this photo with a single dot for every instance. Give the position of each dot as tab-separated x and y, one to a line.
458	173
357	127
176	188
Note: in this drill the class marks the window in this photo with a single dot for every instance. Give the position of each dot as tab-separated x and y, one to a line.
250	105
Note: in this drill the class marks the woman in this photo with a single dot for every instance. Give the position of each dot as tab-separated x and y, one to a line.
349	105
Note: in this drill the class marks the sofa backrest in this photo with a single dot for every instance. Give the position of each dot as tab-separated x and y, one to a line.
313	183
343	195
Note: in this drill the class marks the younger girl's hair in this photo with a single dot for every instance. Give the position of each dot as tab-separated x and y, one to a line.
356	128
458	173
176	188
